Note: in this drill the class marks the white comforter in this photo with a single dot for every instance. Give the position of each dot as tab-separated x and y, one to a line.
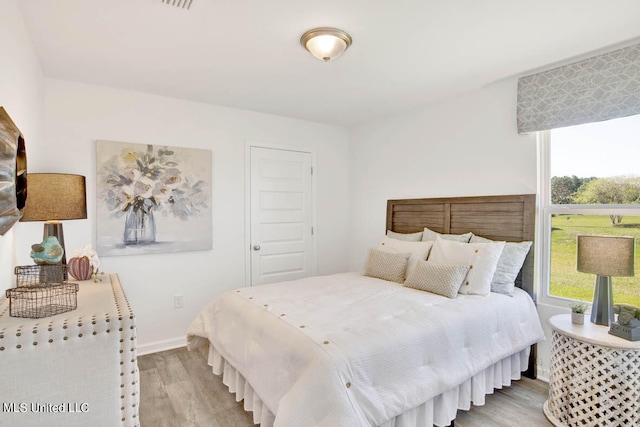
349	350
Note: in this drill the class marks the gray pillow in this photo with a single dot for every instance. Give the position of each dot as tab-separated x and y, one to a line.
389	266
509	264
438	279
407	237
430	235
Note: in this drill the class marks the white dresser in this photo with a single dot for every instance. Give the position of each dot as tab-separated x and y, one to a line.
77	368
595	376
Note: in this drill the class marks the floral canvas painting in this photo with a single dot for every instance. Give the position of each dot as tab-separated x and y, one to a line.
152	199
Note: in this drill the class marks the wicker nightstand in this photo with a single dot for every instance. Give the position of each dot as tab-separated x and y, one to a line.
595	376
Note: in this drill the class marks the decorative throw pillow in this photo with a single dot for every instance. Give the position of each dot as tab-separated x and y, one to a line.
509	265
419	250
386	265
407	237
430	235
439	279
482	259
479	239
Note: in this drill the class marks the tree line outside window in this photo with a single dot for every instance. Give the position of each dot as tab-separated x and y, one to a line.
617	190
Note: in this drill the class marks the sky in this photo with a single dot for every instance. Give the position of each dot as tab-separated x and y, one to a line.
602	149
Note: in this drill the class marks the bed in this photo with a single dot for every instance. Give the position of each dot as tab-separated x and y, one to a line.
355	350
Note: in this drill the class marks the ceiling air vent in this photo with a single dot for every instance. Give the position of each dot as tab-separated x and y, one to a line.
182	4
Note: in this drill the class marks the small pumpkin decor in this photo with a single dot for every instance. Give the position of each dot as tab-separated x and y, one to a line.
80	268
85	264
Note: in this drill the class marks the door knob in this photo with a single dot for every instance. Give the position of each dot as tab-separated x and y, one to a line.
256	247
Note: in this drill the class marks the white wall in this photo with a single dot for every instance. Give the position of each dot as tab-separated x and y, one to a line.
21	94
76	115
465	146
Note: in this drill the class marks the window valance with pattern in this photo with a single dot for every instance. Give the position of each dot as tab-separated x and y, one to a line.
604	87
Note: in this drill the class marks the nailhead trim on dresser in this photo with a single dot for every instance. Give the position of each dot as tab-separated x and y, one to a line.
128	352
74	325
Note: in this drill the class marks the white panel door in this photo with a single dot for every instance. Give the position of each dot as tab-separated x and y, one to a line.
281	215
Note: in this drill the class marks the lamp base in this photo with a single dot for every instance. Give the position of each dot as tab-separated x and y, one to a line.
54	228
602	307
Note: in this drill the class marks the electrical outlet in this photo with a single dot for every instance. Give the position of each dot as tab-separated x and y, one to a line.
178	301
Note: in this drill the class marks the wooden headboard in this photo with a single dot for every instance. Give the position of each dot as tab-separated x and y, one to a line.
510	218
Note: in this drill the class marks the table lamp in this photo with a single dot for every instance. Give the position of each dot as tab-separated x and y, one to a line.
605	256
53	197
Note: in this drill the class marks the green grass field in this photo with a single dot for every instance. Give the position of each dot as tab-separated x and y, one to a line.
565	280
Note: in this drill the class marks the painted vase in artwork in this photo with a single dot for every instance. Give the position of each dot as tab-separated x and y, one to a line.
139	227
80	268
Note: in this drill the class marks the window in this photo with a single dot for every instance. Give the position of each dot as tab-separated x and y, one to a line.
589	184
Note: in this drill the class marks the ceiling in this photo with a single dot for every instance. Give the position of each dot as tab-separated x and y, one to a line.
246	53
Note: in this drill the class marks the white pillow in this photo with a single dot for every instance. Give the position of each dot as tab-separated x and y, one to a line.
407	237
480	239
509	265
439	279
419	250
430	235
386	265
482	259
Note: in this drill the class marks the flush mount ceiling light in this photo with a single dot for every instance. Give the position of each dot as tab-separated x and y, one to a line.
325	43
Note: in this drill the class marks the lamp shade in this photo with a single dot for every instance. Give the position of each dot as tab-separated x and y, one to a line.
606	255
326	43
55	196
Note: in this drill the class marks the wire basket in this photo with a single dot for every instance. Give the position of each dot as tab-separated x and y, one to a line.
40	275
35	302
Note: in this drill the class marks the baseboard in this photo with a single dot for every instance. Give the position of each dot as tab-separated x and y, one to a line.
159	346
543	374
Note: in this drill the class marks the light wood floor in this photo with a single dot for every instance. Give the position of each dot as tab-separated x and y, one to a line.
178	389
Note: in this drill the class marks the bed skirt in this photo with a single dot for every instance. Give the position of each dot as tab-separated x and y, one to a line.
439	411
